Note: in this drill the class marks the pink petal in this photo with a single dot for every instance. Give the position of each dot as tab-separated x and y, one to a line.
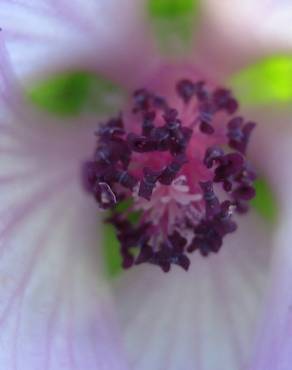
204	319
273	350
236	32
49	35
55	307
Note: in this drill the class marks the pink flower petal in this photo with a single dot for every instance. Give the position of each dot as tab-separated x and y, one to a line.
49	35
273	350
236	32
55	307
203	319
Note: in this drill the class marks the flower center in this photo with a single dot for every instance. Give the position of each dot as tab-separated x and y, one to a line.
180	165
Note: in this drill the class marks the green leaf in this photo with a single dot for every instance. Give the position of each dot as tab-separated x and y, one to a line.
72	93
265	202
265	82
173	22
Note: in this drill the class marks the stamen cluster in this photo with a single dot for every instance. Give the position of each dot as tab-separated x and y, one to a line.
165	163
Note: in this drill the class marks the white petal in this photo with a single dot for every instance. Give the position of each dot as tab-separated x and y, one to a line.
236	32
273	350
48	35
55	308
203	319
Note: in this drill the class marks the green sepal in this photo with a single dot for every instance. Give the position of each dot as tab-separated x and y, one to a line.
173	23
267	81
111	252
265	202
111	245
72	93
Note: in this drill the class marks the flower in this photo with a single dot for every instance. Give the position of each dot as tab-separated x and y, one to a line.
57	308
165	160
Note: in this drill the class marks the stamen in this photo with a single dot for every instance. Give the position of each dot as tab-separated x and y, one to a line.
181	166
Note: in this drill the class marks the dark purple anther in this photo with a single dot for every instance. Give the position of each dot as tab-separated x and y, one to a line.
133	236
179	135
206	112
160	103
223	220
141	100
126	179
179	140
230	165
244	192
223	99
242	206
232	106
206	128
239	134
114	126
177	240
247	129
148	123
174	126
185	89
211	200
169	254
145	255
103	154
181	260
170	172
161	137
108	175
207	239
170	115
247	174
112	151
148	183
212	155
104	195
141	144
235	125
201	92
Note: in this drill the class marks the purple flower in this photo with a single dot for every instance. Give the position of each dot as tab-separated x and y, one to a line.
230	311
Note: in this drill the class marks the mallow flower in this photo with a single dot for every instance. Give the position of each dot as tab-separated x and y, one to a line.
172	110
